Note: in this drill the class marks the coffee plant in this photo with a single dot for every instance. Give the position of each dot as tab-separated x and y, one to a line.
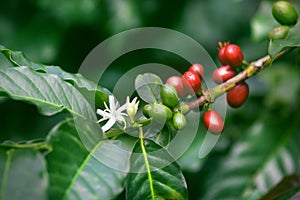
106	147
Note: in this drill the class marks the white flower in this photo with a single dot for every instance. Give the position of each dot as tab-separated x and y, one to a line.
132	108
113	114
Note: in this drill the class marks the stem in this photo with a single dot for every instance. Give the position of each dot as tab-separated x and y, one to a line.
146	162
40	146
210	95
5	173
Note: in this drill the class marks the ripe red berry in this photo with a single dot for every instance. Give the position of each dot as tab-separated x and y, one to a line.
222	58
197	69
233	55
177	83
213	122
191	82
222	74
238	95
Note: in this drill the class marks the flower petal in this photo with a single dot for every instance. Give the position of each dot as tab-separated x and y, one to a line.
108	124
111	103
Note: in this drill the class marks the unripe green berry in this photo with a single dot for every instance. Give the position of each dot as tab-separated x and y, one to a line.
179	121
285	13
147	109
279	32
169	96
158	112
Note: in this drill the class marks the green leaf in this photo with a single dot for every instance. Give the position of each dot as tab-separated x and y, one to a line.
260	159
291	40
94	92
48	92
154	175
22	174
76	173
148	87
285	186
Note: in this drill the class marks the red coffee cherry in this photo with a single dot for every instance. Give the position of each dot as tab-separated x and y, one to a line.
237	96
222	74
233	55
177	83
197	69
191	82
221	56
213	122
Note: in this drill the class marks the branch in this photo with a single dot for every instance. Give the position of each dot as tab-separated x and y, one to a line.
210	95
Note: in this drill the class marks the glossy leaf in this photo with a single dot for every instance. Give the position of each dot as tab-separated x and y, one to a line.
148	87
291	40
94	92
76	173
22	174
259	160
154	175
48	92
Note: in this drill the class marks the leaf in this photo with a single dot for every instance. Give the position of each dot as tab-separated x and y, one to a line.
76	173
287	184
260	159
22	174
291	40
48	92
94	92
148	87
154	174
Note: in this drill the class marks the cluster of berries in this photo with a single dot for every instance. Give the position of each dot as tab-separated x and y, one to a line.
191	83
231	57
178	87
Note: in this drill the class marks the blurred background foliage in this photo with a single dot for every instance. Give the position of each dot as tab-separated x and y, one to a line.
64	32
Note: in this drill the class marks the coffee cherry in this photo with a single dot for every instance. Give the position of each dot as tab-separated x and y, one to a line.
233	55
191	82
197	69
237	96
213	122
285	13
147	109
177	83
160	113
169	96
279	32
221	56
179	121
222	74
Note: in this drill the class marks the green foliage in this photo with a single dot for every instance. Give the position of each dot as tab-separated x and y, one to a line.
15	184
158	176
148	87
75	173
262	157
48	92
257	156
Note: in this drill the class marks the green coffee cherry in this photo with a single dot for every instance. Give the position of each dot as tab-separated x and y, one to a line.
279	32
179	121
147	109
285	13
169	96
158	112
